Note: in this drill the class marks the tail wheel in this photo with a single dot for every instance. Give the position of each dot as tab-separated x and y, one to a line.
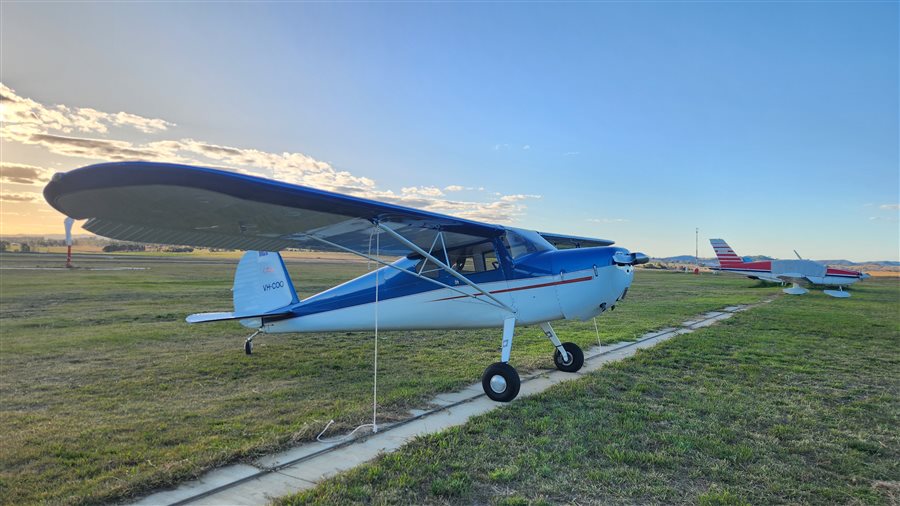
501	382
575	358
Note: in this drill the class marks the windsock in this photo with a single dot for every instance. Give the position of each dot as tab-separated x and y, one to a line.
69	222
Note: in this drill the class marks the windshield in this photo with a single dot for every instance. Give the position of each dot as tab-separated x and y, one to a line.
522	242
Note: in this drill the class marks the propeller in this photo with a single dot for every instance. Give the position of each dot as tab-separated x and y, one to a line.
622	258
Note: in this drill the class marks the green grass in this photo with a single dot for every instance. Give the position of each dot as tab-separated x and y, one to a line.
108	394
793	402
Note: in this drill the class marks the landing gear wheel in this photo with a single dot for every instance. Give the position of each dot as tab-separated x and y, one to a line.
576	358
248	347
501	382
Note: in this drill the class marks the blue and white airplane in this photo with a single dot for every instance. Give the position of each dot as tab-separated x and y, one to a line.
451	273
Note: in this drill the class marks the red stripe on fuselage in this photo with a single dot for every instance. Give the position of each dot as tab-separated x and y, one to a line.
542	285
842	272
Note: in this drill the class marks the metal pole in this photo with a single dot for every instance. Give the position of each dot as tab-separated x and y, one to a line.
697	245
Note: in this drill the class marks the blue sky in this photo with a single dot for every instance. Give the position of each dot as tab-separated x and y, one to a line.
774	126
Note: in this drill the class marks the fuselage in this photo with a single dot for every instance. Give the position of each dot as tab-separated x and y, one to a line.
775	270
540	286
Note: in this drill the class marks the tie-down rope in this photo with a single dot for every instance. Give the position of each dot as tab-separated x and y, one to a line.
374	423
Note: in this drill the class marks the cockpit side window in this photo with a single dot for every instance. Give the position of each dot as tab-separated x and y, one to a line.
465	260
428	268
476	258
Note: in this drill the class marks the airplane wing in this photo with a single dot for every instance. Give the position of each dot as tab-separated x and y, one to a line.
573	241
177	204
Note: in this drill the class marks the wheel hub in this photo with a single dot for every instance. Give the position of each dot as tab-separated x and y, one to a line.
498	384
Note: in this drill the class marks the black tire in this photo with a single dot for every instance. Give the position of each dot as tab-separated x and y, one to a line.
576	358
248	347
510	381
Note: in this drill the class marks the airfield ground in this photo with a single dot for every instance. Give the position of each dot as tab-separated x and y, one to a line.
794	402
107	394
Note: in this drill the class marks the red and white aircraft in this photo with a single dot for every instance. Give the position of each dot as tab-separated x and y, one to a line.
786	271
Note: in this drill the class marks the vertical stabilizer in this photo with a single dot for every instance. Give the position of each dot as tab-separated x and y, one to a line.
262	284
725	254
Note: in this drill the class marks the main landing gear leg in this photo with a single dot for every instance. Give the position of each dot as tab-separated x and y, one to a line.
500	380
568	356
248	344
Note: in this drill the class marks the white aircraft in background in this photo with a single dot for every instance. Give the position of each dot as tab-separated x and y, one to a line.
786	271
451	273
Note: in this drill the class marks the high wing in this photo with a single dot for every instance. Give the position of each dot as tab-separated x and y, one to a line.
574	241
177	204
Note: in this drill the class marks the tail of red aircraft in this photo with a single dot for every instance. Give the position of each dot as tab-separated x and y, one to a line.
727	256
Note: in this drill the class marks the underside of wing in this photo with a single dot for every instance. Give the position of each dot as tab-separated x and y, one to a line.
563	241
177	204
792	278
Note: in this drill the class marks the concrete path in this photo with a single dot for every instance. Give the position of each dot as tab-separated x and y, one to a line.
303	466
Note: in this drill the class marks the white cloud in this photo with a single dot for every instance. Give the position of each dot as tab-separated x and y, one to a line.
514	198
459	188
20	173
607	220
890	207
21	197
571	153
59	129
422	191
526	147
22	116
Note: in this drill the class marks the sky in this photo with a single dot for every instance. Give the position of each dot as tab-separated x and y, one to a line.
771	125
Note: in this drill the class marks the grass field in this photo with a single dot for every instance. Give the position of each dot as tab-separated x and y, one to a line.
107	394
794	402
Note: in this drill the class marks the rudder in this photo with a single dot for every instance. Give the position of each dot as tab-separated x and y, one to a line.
725	254
262	284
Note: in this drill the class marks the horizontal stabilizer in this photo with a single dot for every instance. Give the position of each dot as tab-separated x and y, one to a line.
228	315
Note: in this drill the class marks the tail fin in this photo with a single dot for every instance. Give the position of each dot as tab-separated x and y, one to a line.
262	284
262	287
724	252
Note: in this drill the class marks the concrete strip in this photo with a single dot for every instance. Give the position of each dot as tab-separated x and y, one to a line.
260	490
302	467
214	479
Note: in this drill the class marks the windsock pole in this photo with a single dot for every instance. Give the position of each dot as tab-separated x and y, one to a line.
69	222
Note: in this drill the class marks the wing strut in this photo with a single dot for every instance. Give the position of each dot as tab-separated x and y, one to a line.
442	265
382	262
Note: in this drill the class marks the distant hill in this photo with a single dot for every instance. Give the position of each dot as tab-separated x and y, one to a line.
883	263
679	259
